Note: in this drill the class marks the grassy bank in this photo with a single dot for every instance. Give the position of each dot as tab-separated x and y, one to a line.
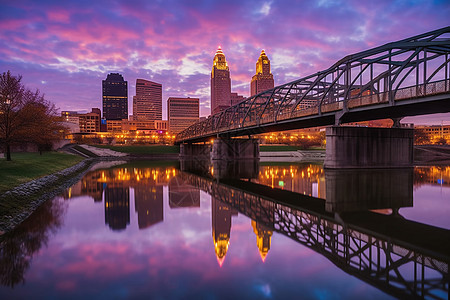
28	166
144	149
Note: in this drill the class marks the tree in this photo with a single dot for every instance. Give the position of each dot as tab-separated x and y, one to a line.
25	116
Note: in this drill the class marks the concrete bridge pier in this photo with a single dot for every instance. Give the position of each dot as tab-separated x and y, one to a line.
368	147
197	151
232	149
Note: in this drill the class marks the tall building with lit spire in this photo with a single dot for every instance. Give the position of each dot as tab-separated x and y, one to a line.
263	79
220	83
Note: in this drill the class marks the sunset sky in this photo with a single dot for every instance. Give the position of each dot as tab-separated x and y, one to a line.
66	48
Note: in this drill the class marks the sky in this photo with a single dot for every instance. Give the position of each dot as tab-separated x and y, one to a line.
66	48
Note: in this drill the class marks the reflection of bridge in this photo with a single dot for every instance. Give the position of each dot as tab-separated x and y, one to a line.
404	78
378	249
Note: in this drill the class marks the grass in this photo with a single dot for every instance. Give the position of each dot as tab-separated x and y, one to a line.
144	149
28	166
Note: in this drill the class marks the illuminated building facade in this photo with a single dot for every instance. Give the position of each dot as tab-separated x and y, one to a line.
236	98
90	122
263	79
220	83
182	113
434	134
115	97
147	104
70	116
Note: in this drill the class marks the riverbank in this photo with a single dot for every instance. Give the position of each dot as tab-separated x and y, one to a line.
20	202
25	167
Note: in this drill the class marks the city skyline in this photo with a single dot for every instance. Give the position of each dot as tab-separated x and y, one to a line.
65	51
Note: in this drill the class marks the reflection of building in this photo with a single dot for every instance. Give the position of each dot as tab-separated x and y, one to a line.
149	205
436	175
263	238
182	195
117	206
304	179
182	113
263	79
92	186
220	83
147	104
221	227
115	97
89	185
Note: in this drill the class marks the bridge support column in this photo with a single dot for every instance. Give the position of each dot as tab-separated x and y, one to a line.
232	149
364	147
198	151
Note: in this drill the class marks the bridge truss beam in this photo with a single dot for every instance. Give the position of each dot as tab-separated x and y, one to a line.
385	76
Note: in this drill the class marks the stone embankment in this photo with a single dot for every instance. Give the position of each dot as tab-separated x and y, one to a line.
19	203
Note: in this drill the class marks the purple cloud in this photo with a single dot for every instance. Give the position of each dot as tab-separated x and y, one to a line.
66	50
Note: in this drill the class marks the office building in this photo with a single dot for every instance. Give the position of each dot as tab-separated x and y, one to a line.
263	79
115	97
182	113
90	122
236	98
147	104
220	83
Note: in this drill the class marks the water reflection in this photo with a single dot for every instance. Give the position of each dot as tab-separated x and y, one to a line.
399	256
358	190
221	227
263	238
375	248
435	175
182	194
18	247
121	185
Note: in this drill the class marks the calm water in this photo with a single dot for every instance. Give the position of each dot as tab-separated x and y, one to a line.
149	230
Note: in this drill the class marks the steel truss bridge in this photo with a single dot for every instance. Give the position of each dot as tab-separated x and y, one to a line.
404	78
393	265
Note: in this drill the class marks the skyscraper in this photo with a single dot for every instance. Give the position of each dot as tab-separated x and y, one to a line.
182	113
263	79
220	83
115	97
147	104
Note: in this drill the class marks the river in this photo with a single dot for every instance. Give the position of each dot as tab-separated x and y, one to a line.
171	230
